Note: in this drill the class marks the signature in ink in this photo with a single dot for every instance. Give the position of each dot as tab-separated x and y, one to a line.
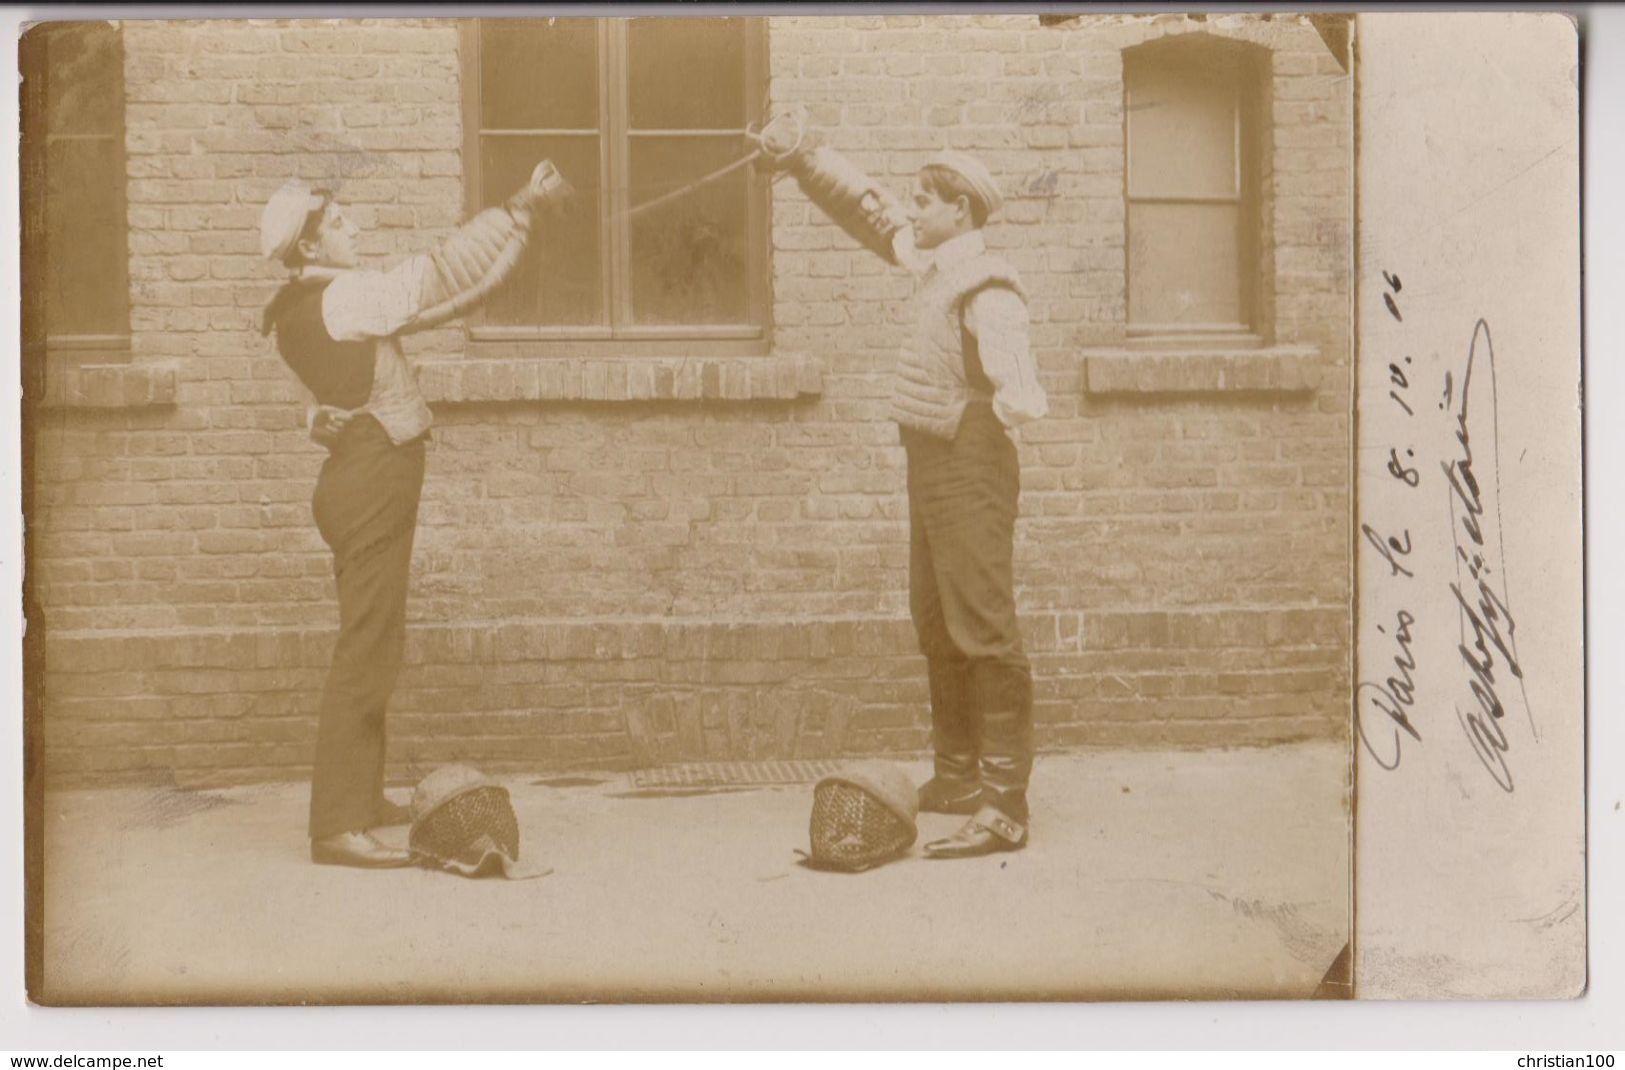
1393	697
1488	630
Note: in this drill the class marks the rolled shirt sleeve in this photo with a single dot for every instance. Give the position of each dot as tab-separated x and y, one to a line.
997	316
374	304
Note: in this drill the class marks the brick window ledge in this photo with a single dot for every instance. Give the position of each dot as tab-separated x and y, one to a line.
1272	369
109	386
629	378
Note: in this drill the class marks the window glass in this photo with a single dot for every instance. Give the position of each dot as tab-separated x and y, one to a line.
1182	264
686	73
559	280
630	110
539	74
84	83
689	254
1182	134
1191	193
86	258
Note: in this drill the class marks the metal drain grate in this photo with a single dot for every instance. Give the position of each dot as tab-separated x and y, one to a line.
734	774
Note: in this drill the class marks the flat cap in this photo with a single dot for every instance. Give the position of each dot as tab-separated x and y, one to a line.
972	171
284	218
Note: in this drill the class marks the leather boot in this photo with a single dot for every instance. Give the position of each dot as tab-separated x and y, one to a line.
1001	699
989	832
1002	695
955	785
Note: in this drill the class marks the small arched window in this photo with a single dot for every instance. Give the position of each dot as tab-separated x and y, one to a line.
1192	137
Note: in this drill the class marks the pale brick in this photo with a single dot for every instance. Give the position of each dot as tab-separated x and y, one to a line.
727	530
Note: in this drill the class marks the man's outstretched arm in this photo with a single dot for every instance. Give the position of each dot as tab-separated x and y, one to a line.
857	203
447	281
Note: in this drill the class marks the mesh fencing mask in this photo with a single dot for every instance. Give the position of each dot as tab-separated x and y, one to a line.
463	822
861	817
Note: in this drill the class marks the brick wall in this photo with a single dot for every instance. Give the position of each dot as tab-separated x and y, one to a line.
668	560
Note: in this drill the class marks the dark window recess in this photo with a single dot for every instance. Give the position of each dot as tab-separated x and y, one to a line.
86	260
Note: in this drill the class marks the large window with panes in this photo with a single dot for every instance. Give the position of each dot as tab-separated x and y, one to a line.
632	111
1192	184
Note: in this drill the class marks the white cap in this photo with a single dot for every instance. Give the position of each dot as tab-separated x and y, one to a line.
284	218
972	171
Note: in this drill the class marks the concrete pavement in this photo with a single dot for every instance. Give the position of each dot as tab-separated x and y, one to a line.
1151	874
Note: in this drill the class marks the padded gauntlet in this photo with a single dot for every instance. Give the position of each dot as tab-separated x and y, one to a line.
479	257
855	202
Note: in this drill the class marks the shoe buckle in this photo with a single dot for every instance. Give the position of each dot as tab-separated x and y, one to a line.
997	823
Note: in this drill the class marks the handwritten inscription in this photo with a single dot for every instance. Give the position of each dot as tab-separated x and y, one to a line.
1489	652
1394	697
1390	548
1488	677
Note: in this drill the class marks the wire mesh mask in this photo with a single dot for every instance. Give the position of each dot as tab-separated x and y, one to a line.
860	819
465	823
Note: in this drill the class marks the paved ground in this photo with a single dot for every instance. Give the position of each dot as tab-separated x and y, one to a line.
1183	874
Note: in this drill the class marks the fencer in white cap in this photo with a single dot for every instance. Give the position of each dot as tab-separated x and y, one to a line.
338	328
965	379
953	173
287	214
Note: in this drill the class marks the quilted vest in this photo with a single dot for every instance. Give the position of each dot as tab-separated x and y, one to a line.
936	377
336	373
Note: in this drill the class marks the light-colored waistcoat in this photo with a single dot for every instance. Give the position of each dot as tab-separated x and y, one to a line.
929	390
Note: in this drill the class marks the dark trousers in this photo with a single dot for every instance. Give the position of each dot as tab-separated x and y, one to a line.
962	500
366	507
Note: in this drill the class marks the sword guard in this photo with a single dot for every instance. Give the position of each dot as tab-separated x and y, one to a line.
547	184
784	136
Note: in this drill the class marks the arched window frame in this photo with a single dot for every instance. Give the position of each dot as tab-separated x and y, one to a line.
1223	268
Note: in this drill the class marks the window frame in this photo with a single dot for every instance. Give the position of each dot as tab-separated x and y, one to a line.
1247	71
617	331
76	348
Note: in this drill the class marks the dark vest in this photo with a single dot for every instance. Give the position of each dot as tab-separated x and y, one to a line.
336	373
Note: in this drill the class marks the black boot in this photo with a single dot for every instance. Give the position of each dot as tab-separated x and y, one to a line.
955	786
1001	699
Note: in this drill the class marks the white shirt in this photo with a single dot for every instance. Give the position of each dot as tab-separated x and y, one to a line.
997	316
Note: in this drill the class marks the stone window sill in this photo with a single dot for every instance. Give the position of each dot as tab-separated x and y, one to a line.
109	386
628	378
1271	369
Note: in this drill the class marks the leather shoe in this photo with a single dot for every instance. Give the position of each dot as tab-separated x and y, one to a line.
939	796
358	850
989	832
388	813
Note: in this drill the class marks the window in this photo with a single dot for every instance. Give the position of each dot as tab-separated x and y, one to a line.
78	107
629	110
1192	188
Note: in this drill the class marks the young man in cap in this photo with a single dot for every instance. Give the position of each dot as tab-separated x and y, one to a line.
965	378
338	328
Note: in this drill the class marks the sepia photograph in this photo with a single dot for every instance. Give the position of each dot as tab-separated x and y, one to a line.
689	508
